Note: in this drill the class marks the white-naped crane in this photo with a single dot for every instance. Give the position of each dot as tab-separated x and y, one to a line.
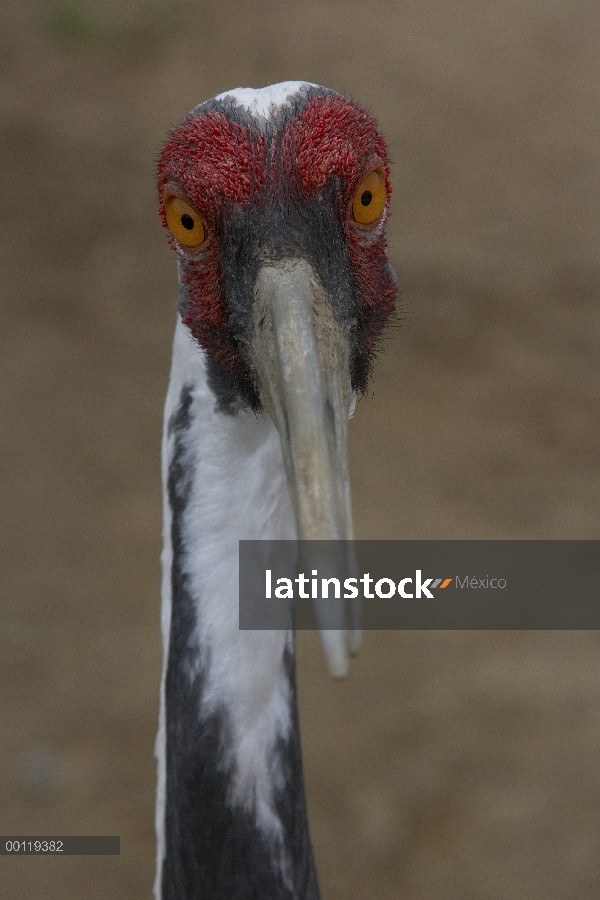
276	201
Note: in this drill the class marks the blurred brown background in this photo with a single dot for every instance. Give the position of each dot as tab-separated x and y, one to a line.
462	766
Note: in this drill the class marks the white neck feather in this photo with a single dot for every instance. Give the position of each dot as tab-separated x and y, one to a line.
238	491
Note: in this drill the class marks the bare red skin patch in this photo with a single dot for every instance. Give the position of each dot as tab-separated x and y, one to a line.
334	136
218	165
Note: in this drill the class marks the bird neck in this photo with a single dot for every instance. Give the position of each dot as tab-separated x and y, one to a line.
231	816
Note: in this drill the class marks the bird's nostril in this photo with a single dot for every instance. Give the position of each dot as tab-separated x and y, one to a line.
366	197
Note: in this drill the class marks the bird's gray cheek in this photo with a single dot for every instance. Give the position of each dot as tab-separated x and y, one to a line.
182	300
182	293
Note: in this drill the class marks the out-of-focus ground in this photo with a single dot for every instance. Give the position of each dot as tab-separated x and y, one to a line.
449	766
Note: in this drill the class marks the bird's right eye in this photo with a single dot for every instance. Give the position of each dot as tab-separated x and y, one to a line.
184	222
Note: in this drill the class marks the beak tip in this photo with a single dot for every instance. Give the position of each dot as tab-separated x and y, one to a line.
354	642
334	644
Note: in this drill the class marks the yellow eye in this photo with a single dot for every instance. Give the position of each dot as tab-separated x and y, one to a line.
369	199
184	222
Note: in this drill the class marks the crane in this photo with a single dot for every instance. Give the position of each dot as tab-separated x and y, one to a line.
275	200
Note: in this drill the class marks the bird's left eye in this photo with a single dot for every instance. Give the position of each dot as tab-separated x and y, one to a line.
184	222
369	199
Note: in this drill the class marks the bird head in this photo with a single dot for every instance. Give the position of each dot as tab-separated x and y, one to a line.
276	201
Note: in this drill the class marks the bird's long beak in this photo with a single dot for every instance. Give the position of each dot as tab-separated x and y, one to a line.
300	353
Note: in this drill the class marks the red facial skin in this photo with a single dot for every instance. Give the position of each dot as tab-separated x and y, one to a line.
215	164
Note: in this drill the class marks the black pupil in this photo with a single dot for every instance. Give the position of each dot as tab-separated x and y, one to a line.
188	222
366	197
